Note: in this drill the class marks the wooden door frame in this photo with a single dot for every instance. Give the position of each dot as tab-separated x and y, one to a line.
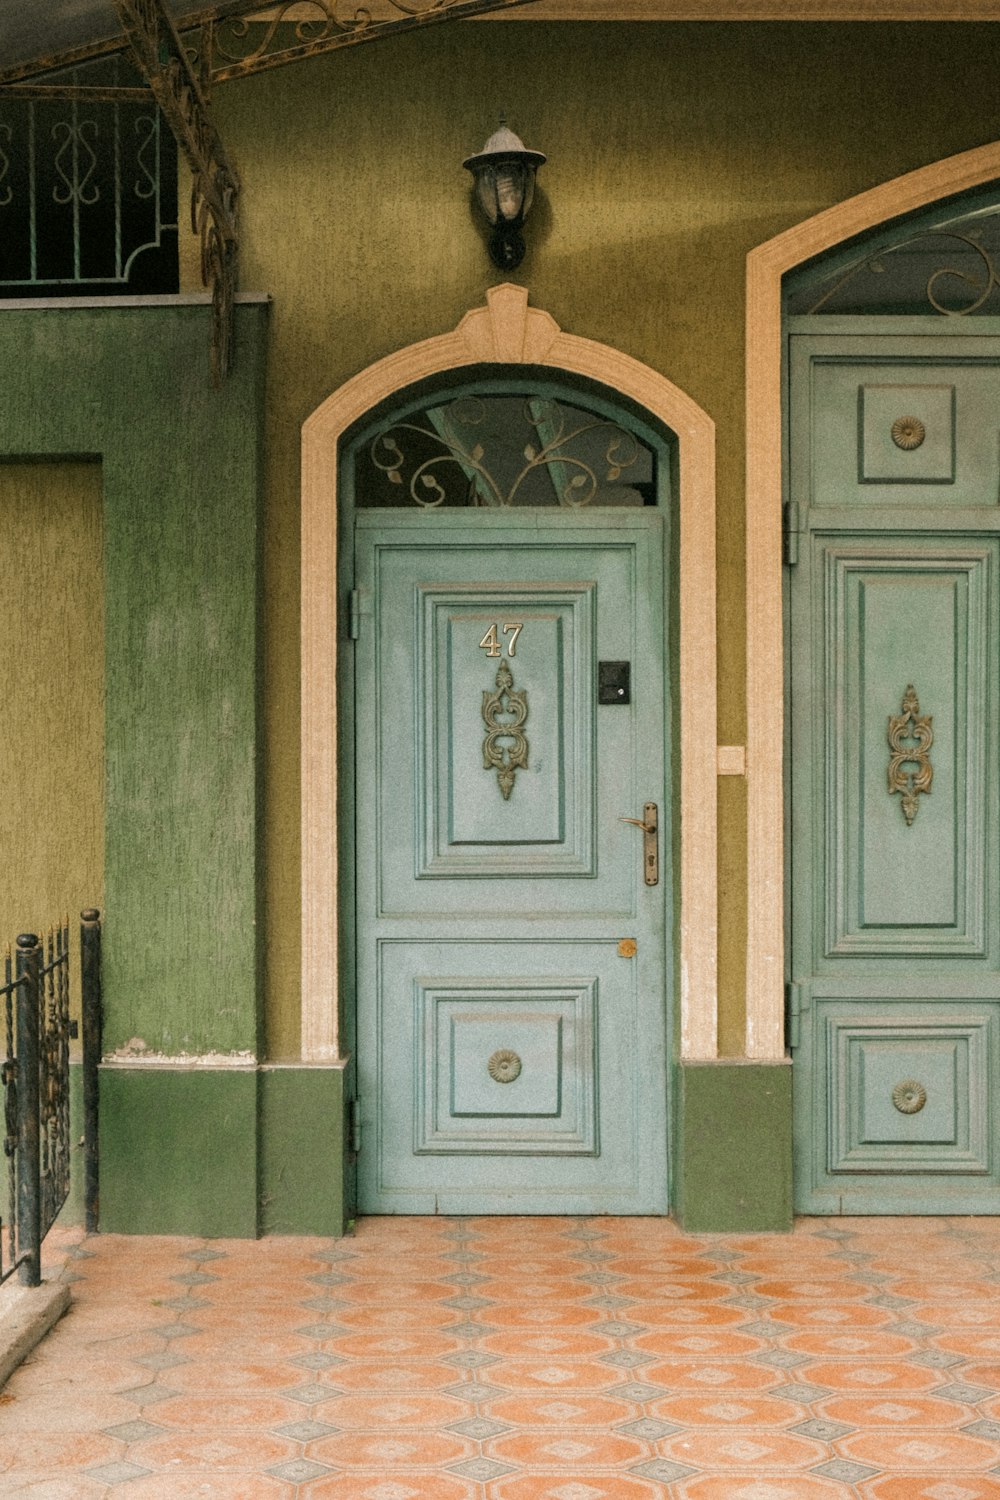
766	266
507	331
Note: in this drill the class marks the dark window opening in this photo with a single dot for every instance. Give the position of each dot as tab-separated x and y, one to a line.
88	193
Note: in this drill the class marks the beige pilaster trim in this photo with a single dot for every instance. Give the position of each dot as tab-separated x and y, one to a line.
765	696
731	760
507	330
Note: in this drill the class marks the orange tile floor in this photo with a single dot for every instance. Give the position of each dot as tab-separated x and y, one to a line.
519	1359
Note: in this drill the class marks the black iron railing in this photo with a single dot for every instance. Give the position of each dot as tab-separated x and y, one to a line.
35	1078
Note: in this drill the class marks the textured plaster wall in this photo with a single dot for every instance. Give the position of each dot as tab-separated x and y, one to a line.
52	672
673	150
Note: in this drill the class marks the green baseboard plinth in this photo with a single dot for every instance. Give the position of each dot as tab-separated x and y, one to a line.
733	1138
222	1152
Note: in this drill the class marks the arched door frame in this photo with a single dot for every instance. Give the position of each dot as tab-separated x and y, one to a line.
766	266
508	331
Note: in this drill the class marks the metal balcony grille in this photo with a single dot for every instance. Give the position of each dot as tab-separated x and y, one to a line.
88	192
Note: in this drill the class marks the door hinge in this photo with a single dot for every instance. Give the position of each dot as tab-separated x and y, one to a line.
793	1011
354	1110
358	608
790	529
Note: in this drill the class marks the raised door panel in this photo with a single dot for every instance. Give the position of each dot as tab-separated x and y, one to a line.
903	1118
513	1083
902	870
897	428
553	842
477	813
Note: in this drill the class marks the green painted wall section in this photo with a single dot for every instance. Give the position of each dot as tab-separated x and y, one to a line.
235	1152
74	1209
733	1146
301	1165
52	677
673	150
181	485
196	1171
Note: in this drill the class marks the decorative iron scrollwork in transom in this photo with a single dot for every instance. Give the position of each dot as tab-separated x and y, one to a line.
497	452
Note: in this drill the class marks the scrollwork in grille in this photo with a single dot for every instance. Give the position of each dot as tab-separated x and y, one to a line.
247	41
563	445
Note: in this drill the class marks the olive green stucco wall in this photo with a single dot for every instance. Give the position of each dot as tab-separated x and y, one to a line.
52	766
128	386
673	150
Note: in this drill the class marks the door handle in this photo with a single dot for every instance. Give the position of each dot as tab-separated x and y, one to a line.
649	823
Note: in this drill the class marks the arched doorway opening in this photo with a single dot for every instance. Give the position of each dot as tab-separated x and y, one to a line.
506	333
889	501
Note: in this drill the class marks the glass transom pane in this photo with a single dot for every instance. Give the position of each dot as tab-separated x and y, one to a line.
496	451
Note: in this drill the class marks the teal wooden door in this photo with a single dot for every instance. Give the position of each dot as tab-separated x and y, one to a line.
893	754
511	964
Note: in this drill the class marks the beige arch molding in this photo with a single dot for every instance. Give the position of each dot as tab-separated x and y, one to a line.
508	331
765	697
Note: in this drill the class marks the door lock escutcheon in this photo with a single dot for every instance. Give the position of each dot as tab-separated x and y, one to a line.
650	824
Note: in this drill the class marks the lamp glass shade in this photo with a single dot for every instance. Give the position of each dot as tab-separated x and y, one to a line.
505	189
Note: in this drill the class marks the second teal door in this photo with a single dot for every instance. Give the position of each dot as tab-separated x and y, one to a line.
511	946
894	616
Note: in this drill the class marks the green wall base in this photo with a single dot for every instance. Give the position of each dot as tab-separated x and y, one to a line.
178	1151
301	1160
222	1152
733	1146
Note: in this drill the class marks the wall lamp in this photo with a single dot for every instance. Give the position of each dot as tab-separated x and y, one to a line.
504	172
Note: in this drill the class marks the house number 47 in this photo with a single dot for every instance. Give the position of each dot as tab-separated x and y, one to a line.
493	645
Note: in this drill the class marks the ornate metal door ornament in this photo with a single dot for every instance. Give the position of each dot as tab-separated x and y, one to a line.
909	1097
504	1065
505	758
910	726
908	433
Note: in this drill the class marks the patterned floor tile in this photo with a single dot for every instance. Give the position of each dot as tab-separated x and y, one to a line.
750	1486
375	1452
713	1343
214	1450
593	1487
870	1375
359	1413
567	1412
872	1343
512	1359
567	1343
729	1411
920	1412
748	1447
568	1452
950	1452
931	1487
424	1485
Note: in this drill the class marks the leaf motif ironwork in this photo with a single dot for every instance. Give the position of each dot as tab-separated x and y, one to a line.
975	289
904	729
505	749
575	480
